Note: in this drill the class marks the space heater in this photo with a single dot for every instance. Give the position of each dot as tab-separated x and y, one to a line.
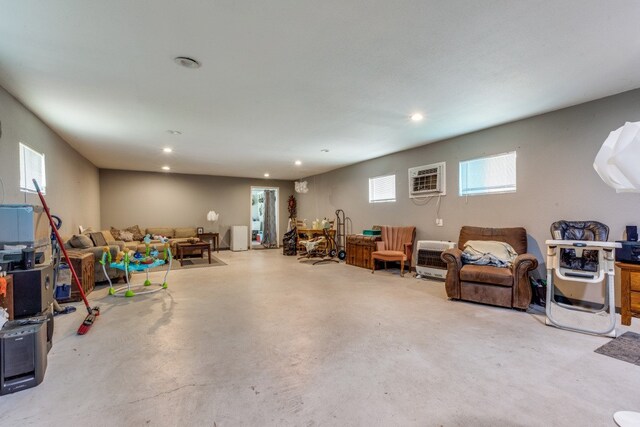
429	264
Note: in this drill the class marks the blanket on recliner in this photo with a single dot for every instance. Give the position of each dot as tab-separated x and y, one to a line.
489	252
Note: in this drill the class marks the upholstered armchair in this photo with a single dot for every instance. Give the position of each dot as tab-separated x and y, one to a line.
396	245
505	287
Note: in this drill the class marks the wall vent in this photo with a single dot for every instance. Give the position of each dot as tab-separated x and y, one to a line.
427	181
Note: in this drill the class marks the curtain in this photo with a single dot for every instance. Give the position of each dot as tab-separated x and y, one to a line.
270	238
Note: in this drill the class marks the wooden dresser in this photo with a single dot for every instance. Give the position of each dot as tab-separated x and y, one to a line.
630	286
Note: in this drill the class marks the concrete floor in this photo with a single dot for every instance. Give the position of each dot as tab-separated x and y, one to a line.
267	340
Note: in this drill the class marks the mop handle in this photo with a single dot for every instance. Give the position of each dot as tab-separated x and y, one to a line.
64	251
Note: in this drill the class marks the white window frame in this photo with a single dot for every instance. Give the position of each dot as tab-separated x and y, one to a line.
464	190
372	182
26	176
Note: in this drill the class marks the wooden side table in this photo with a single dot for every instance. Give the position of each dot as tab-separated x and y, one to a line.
84	265
630	286
212	239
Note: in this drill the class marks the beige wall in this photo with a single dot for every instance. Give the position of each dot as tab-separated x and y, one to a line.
555	180
179	200
72	181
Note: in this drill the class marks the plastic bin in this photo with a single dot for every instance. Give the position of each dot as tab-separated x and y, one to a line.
63	283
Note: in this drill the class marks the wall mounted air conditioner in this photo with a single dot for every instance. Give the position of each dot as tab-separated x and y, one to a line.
427	181
429	264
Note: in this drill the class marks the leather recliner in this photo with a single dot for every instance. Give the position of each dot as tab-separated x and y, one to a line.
505	287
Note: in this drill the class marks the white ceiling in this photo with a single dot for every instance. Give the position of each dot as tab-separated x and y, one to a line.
282	79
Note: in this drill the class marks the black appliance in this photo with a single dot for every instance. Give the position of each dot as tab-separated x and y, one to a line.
48	316
23	354
32	291
630	252
632	233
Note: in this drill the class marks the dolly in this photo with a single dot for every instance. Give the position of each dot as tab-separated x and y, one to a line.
93	312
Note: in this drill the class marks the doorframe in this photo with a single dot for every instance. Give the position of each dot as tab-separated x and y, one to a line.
262	188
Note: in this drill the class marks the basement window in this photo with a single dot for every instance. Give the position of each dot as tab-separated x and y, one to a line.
488	175
31	167
382	189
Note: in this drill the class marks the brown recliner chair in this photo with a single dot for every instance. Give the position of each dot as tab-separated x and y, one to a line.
505	287
396	245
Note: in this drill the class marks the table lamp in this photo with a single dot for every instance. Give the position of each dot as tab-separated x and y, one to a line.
212	217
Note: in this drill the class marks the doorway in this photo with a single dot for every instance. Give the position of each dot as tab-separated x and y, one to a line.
264	217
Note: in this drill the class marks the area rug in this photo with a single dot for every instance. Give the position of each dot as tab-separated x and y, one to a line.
626	347
190	263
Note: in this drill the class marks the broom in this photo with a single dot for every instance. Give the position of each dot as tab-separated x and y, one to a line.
93	312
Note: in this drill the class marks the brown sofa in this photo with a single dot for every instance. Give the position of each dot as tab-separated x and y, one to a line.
175	236
505	287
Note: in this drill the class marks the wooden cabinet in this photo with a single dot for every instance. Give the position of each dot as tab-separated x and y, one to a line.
630	286
83	264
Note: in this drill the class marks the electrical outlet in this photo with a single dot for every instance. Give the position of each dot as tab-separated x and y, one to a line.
439	222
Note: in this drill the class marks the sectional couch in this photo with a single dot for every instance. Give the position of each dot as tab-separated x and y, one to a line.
94	242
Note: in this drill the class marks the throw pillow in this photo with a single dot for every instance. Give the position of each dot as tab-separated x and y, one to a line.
138	235
108	236
98	239
164	231
126	236
184	232
80	241
115	233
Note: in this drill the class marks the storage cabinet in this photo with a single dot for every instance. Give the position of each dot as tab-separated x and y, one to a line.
630	286
359	249
83	264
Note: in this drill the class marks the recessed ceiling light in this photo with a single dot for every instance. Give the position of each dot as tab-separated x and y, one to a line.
167	149
417	117
325	150
298	162
185	61
166	168
174	132
266	175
